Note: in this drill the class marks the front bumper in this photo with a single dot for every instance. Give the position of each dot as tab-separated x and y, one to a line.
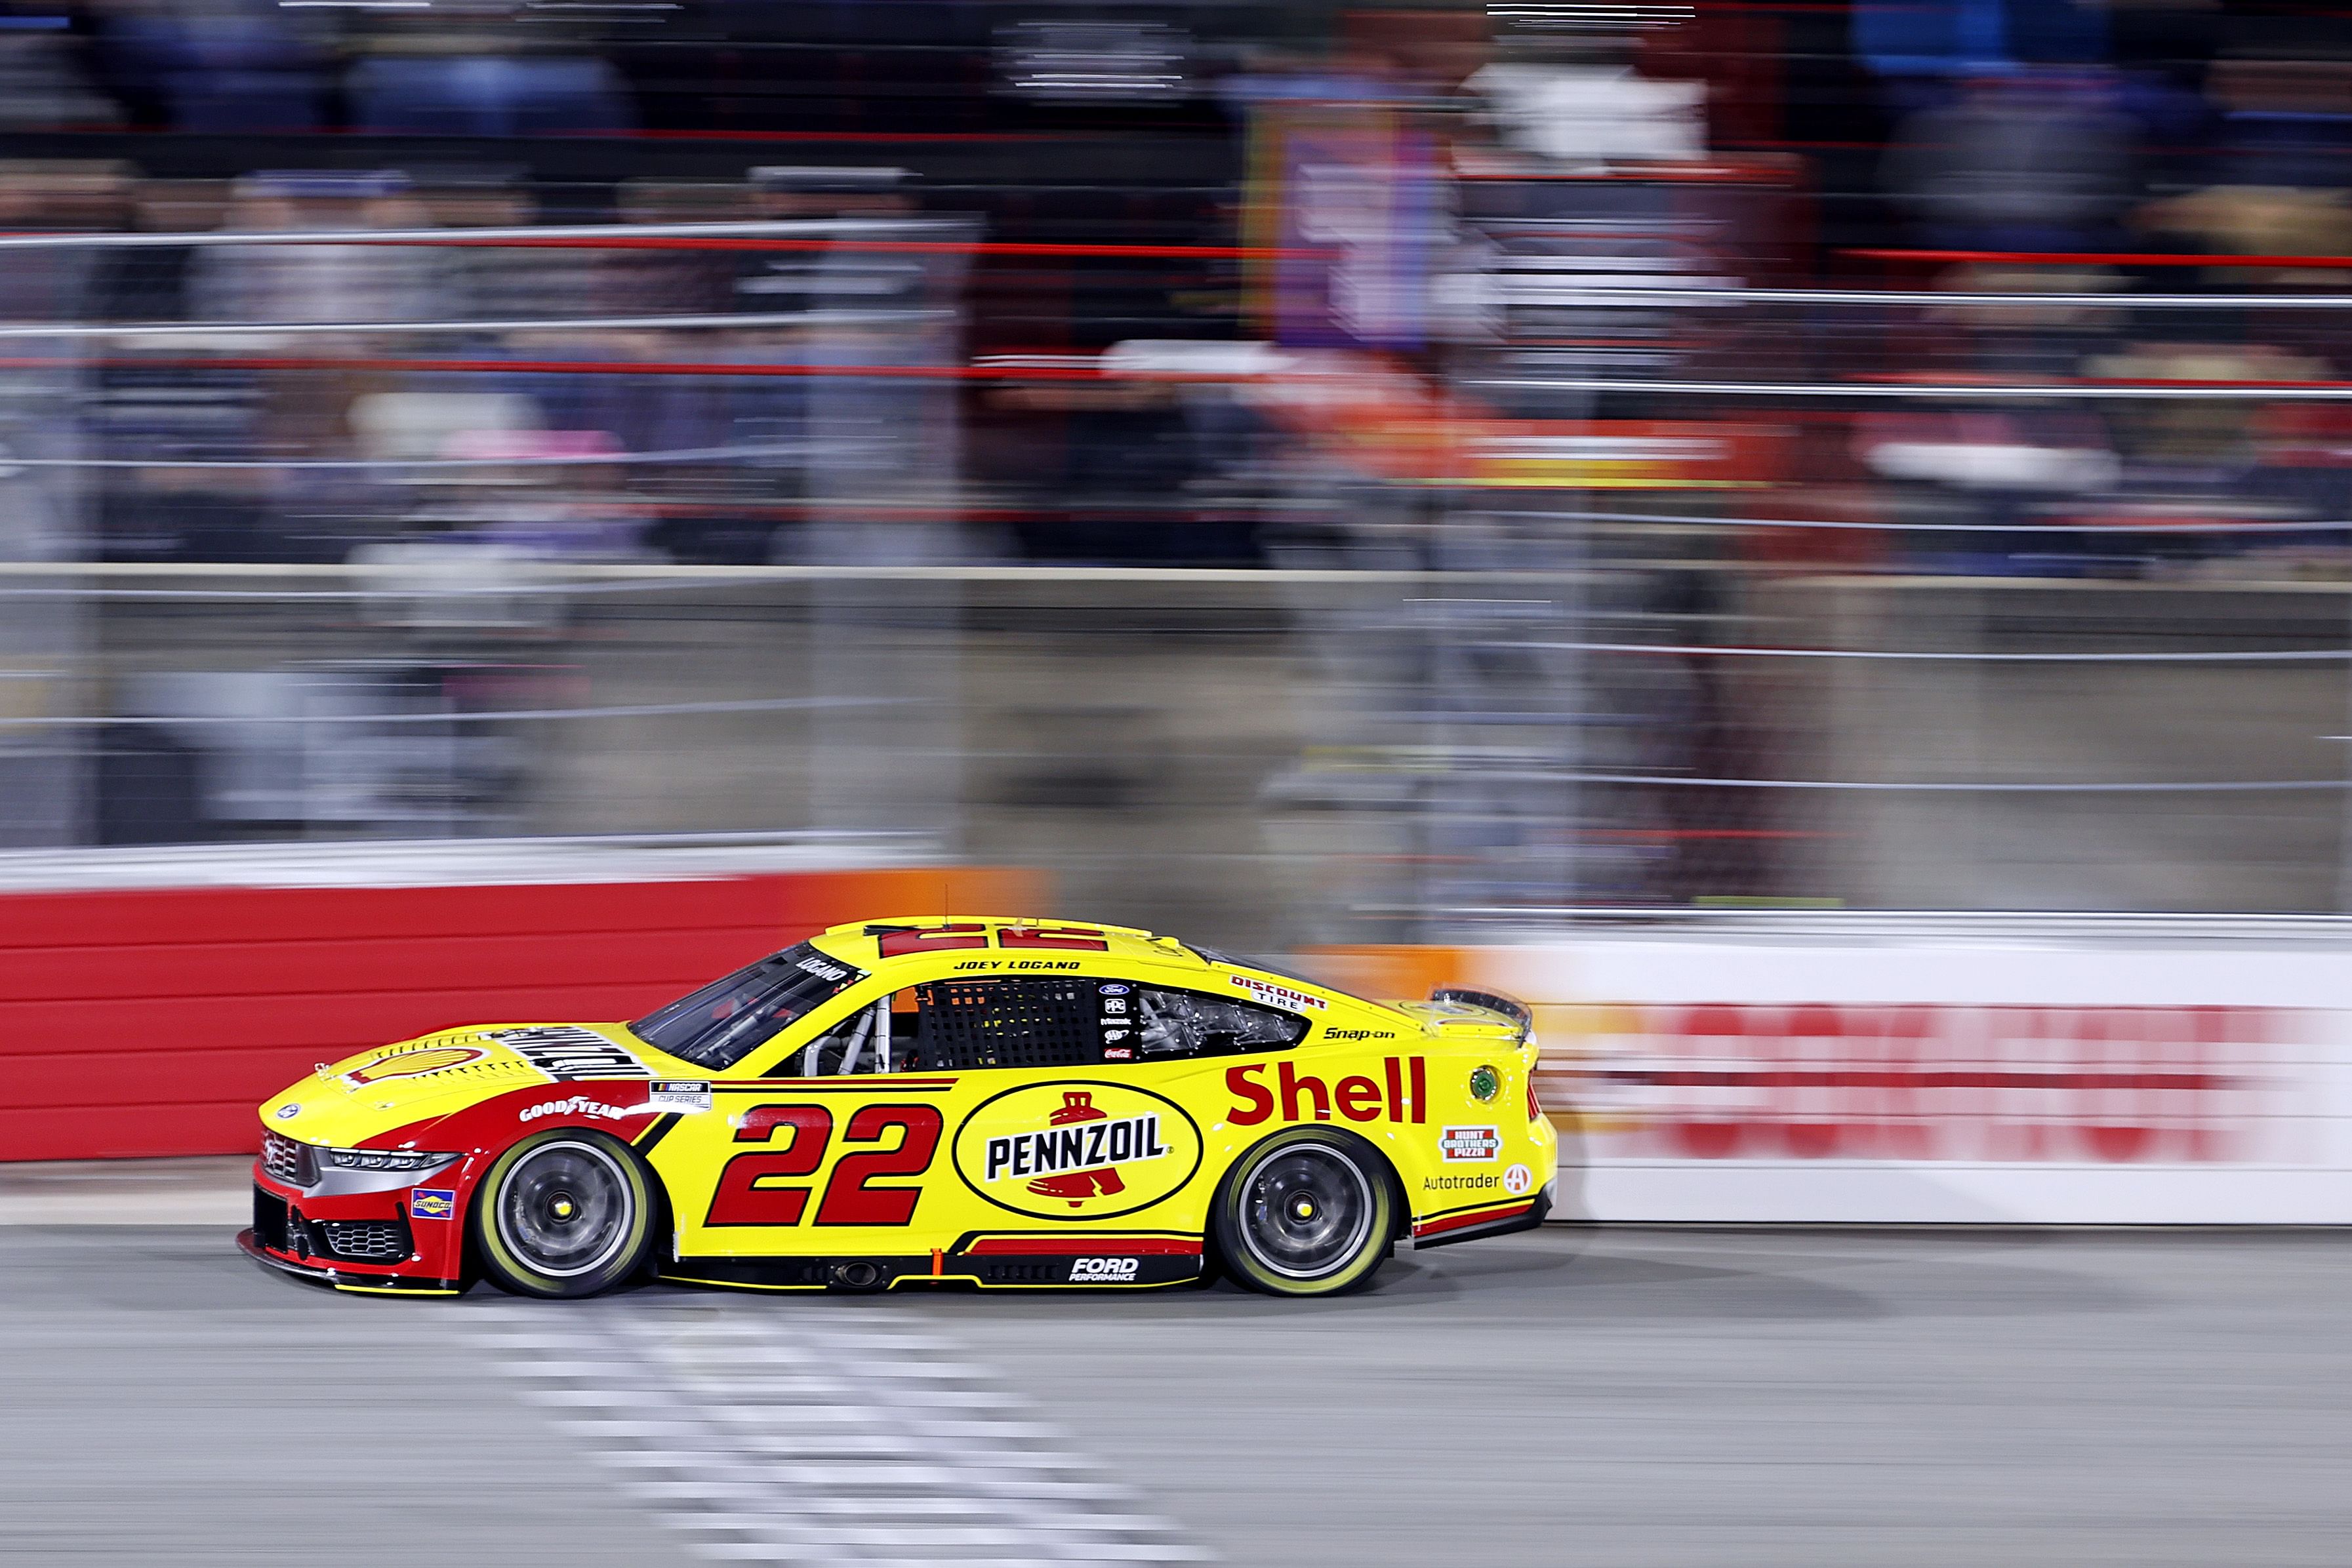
366	1281
385	1240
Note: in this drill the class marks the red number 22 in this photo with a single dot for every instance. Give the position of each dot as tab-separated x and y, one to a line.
740	1199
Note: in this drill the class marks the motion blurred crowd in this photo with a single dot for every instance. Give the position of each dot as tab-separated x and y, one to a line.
1419	214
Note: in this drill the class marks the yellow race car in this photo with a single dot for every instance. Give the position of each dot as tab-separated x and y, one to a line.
906	1103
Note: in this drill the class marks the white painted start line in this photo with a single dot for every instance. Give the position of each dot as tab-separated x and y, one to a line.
765	1440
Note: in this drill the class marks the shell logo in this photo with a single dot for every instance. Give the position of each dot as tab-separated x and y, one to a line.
1087	1150
413	1063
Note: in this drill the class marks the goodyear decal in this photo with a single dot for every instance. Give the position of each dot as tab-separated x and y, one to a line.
1077	1151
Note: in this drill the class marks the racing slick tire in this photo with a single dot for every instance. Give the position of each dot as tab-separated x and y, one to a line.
1309	1212
564	1213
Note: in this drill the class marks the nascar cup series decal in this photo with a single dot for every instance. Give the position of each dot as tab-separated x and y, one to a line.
1077	1151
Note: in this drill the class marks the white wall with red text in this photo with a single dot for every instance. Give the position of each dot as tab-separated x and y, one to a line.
1941	1078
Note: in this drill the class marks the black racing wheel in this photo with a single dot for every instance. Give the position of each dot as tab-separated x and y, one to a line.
566	1212
1309	1212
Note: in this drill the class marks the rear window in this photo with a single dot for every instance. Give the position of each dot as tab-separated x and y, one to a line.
1233	961
719	1025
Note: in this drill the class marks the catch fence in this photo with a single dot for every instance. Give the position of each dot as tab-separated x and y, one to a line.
741	527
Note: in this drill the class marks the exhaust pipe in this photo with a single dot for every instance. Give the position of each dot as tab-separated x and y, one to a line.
856	1276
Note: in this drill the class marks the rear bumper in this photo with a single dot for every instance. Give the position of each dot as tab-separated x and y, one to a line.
1482	1223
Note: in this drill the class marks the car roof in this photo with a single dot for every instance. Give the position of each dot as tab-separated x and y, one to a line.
859	940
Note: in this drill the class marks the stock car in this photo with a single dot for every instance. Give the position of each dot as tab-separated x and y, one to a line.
896	1103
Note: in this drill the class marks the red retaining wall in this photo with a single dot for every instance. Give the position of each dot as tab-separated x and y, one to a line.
152	1022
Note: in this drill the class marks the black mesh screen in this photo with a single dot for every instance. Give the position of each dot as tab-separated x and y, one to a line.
268	1219
1007	1023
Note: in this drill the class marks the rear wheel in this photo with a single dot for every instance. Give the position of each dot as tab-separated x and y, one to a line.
564	1213
1309	1212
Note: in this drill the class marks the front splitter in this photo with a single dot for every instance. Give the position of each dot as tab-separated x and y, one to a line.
344	1279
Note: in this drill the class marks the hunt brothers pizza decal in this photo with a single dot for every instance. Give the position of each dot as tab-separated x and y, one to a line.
1076	1150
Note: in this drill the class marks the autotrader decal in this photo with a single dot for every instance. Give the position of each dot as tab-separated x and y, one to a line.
1076	1150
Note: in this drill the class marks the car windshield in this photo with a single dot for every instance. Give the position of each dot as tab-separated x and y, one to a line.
719	1025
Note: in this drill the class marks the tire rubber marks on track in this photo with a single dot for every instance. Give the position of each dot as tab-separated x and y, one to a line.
822	1444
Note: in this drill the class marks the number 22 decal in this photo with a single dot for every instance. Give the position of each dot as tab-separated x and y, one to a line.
740	1199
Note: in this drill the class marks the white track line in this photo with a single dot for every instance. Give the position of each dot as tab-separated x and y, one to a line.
763	1439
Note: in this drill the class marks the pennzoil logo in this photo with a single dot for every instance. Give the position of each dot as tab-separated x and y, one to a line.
412	1062
1076	1150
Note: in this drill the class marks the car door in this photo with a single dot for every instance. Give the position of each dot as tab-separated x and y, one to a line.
817	1143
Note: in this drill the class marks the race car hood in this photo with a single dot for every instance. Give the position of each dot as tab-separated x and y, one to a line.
345	1104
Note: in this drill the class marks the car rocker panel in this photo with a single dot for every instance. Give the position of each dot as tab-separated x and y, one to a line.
1009	1104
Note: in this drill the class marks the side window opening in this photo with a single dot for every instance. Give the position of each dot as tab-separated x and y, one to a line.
1172	1024
865	1042
1070	1020
1022	1022
948	1026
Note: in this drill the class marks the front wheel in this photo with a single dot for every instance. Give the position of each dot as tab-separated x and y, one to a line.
1306	1213
564	1213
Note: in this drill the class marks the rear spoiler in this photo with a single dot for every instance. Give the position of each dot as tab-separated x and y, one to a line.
1509	1007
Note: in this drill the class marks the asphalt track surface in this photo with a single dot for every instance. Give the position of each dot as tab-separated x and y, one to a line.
1571	1397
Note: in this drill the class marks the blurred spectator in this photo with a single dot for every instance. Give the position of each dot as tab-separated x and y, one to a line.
2276	184
1924	51
1584	110
43	86
884	475
2042	160
479	76
216	65
319	282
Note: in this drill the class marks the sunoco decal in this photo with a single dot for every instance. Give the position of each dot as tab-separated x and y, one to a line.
1076	1150
567	1054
